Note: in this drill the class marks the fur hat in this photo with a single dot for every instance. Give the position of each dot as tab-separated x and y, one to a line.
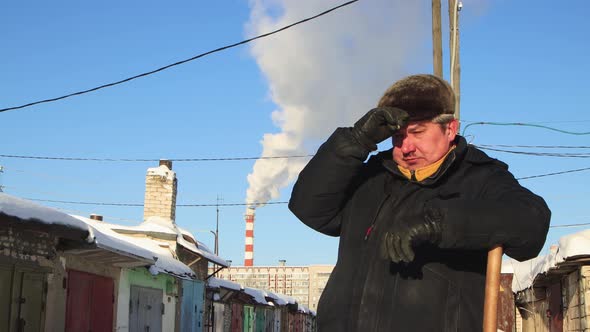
423	96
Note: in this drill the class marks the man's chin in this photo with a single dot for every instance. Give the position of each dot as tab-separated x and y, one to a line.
412	166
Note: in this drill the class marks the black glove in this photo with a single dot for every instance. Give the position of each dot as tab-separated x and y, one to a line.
398	244
378	124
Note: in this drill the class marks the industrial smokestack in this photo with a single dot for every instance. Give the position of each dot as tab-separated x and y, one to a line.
249	249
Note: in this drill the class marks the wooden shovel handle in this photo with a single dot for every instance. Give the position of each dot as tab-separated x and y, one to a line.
490	306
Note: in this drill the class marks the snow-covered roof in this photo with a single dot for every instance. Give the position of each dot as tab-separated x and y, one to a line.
104	237
257	294
202	250
278	300
187	233
155	226
302	308
569	248
162	258
218	283
166	262
282	299
29	211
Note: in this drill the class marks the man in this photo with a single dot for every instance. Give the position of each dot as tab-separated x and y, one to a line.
415	222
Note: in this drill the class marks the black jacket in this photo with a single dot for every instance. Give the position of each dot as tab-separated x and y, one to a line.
339	194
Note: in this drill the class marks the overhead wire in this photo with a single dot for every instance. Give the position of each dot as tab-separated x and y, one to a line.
178	62
523	124
141	205
554	173
214	204
150	160
252	203
490	147
540	154
537	122
535	146
570	225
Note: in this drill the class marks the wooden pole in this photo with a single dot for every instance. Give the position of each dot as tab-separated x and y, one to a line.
436	39
454	54
492	287
490	306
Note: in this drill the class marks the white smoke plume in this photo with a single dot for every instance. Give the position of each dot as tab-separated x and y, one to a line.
326	73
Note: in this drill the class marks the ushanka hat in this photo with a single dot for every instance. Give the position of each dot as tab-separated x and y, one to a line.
423	96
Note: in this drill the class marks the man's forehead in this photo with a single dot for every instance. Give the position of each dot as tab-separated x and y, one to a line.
417	124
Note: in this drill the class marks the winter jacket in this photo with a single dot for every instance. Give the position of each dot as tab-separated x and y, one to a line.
482	205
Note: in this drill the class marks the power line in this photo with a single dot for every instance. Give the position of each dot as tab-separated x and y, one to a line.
523	124
540	154
555	173
570	225
536	146
250	204
537	122
150	160
216	204
177	63
140	205
490	147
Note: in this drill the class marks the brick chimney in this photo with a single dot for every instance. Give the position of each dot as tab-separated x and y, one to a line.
160	192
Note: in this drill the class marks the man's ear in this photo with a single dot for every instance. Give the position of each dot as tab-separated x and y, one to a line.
452	129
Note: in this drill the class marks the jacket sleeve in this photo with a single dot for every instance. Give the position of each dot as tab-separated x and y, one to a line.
327	182
506	214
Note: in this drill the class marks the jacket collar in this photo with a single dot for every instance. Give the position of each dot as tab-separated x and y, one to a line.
461	151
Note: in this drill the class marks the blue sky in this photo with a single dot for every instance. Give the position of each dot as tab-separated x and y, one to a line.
522	61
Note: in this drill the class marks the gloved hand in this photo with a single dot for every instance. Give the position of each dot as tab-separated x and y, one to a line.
399	243
378	124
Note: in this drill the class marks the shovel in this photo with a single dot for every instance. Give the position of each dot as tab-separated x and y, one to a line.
490	306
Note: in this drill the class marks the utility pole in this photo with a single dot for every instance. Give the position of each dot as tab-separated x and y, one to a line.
454	8
219	200
436	39
494	262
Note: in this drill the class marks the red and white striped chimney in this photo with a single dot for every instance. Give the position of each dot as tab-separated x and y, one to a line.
249	250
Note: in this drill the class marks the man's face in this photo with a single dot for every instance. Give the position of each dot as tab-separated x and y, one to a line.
422	143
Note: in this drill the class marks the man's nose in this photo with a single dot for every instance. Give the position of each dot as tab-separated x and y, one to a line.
407	146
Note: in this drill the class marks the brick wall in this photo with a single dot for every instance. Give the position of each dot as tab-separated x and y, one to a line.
160	193
26	245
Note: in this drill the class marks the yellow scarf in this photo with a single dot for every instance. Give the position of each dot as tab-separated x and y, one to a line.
426	171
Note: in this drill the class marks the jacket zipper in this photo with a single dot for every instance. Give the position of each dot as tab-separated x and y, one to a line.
372	227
